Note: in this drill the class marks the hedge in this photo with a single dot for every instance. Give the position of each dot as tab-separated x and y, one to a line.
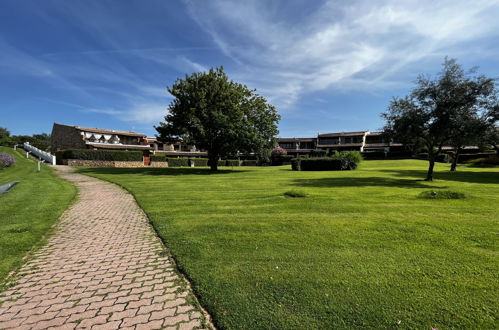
249	162
108	155
318	153
281	160
466	157
320	164
178	162
158	158
232	162
198	162
484	161
347	160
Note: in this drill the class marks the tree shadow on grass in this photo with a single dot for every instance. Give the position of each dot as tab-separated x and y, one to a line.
169	171
459	176
363	182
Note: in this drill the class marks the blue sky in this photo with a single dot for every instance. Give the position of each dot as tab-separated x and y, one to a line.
326	65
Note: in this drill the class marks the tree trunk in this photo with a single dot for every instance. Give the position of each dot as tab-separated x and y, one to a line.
453	166
429	175
213	160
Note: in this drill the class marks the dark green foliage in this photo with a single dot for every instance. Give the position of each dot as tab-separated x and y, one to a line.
221	162
232	162
198	162
466	157
220	116
250	162
318	153
321	164
484	161
108	155
295	194
441	194
350	159
279	160
178	162
295	164
158	158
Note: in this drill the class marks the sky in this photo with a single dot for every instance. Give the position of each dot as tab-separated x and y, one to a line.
327	66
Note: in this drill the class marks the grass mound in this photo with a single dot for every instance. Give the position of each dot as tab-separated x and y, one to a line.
445	194
295	194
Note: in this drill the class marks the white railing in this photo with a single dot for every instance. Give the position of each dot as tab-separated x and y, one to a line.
48	157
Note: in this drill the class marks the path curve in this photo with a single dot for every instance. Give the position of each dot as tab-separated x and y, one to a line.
103	268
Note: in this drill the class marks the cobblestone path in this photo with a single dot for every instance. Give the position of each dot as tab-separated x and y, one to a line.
103	268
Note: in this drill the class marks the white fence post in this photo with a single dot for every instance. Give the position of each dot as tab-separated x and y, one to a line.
40	153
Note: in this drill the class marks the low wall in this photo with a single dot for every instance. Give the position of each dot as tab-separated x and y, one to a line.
158	164
102	163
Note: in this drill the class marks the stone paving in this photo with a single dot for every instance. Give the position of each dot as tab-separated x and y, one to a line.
103	268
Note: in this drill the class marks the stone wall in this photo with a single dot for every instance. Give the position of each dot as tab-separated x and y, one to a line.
159	164
102	163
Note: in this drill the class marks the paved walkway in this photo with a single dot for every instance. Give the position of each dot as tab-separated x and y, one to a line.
103	268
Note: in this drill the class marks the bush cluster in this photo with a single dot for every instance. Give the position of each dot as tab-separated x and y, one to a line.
484	161
108	155
318	153
466	157
158	158
249	162
178	162
342	161
281	160
6	160
198	162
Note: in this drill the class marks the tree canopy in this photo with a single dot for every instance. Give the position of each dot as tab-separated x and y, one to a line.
443	110
219	115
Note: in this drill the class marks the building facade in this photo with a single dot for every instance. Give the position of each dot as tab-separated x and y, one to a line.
363	141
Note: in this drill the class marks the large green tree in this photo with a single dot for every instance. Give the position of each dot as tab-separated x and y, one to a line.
219	115
431	115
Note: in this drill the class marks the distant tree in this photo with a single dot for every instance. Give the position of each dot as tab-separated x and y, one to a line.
468	129
220	116
491	138
4	133
428	117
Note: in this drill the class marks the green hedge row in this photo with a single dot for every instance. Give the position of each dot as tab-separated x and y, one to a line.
178	162
347	160
281	160
108	155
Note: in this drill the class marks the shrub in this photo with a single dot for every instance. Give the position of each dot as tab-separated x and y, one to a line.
484	161
374	155
232	162
295	163
178	162
320	164
318	153
350	159
198	162
6	160
109	155
466	157
281	160
445	194
250	162
158	158
295	194
222	162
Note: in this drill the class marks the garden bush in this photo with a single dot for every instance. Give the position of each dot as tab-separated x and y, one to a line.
250	162
232	162
318	153
108	155
222	162
6	160
484	161
178	162
466	157
295	163
158	158
340	161
281	160
198	162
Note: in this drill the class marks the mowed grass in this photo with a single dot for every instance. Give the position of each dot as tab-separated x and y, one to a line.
361	250
29	209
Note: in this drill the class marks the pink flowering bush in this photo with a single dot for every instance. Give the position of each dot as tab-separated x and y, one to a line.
6	160
278	151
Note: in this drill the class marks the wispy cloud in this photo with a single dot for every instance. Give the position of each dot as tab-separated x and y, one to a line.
355	45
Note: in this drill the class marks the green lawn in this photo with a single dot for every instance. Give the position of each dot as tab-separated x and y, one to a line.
362	250
29	209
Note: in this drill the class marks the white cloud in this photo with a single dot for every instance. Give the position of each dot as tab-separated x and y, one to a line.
147	113
359	45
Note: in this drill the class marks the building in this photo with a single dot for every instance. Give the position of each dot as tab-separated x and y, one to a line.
363	141
78	137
